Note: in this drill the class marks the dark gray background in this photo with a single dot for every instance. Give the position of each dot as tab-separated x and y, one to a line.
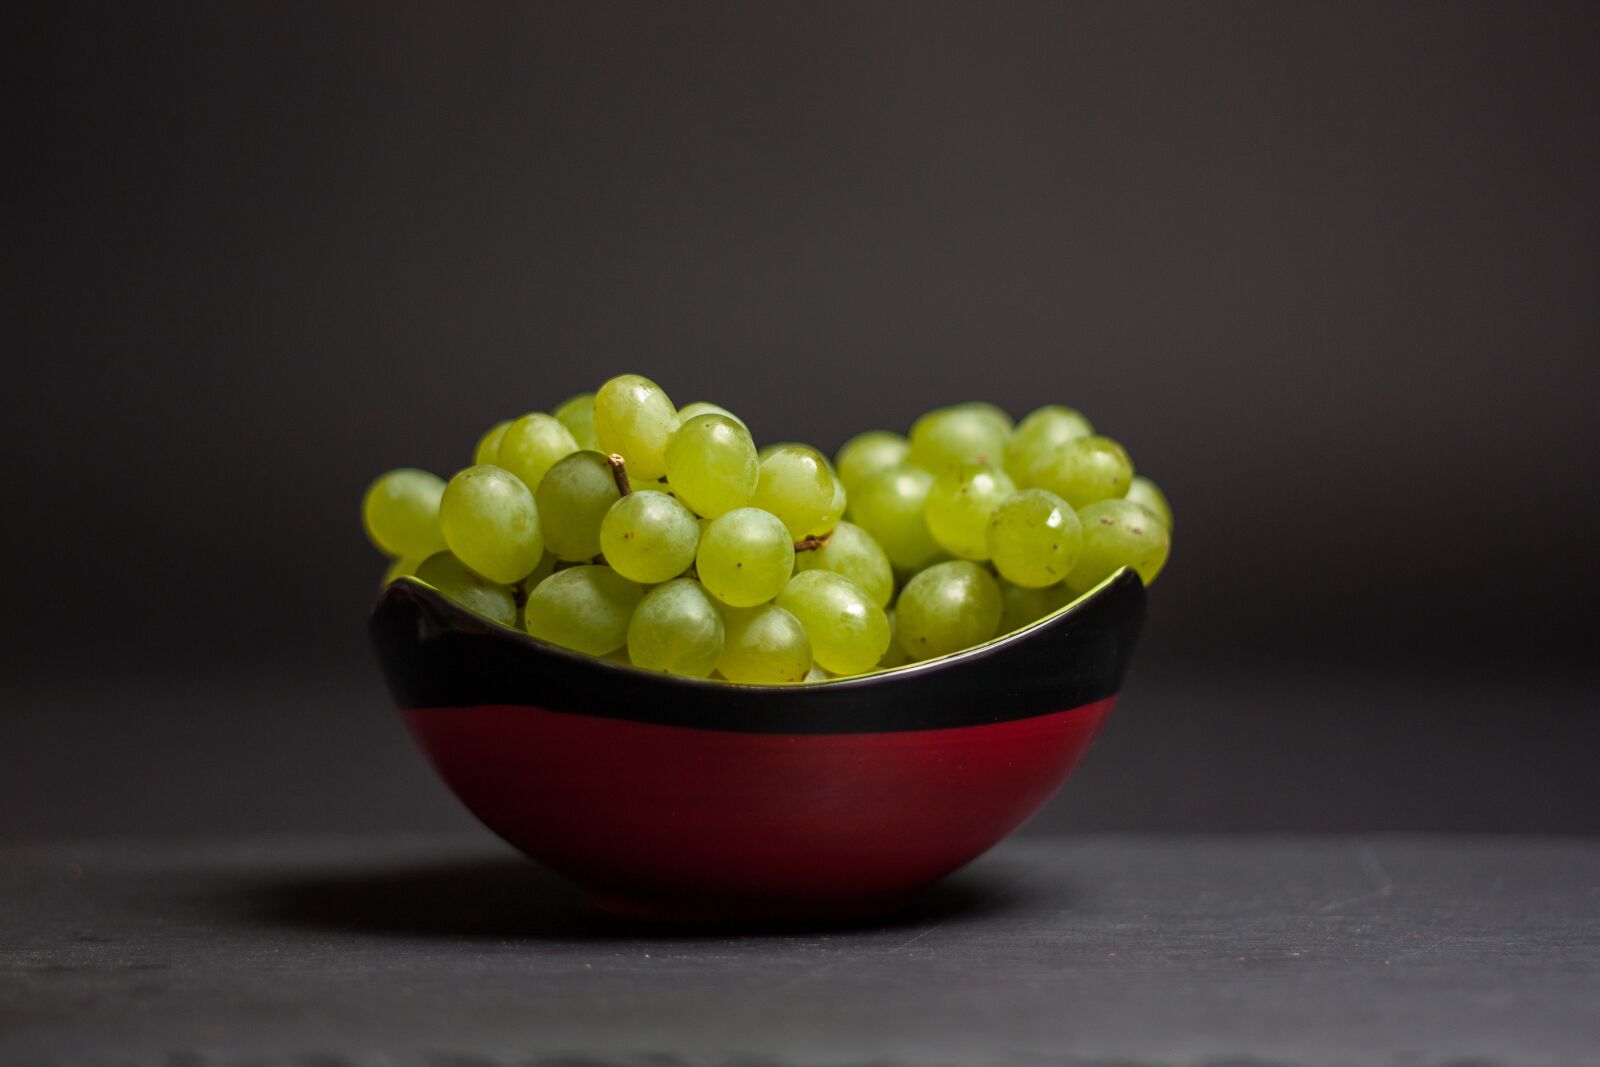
1330	271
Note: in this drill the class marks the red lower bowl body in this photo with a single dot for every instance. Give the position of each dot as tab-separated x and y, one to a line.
681	823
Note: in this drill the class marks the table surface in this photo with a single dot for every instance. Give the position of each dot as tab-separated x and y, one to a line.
1129	949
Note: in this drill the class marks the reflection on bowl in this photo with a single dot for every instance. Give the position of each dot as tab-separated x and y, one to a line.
684	799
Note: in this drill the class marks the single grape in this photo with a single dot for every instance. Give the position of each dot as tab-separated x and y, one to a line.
469	589
894	655
852	552
1021	606
584	608
960	503
577	415
1085	470
1034	538
400	513
649	537
993	412
574	497
701	407
948	436
948	607
634	418
677	629
766	450
491	523
745	557
488	450
797	486
763	645
868	453
532	445
1118	533
712	465
1038	436
1148	495
835	512
849	633
399	569
889	506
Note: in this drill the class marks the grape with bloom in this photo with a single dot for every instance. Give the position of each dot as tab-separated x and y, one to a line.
622	526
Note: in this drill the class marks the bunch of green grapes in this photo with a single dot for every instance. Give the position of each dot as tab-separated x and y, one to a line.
622	526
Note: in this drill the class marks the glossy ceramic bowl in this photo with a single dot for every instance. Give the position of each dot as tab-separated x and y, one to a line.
681	799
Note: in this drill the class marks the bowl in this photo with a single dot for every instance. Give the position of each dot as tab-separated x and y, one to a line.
676	799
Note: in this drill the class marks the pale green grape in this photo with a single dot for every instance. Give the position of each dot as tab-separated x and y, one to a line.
712	464
701	407
797	486
835	512
574	497
948	436
948	607
763	645
1148	495
399	569
491	523
889	506
894	655
488	450
960	502
469	589
849	632
1037	437
633	417
745	557
852	552
993	412
1021	606
868	453
677	629
766	450
1034	538
400	513
1085	470
585	608
1118	533
532	445
545	568
649	537
577	415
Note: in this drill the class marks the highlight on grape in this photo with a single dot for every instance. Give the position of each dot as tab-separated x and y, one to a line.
622	526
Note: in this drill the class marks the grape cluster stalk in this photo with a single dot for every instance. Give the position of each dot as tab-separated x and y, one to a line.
622	526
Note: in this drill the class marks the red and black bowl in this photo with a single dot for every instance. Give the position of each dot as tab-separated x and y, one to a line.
685	799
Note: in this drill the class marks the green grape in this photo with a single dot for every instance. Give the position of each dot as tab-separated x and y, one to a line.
948	607
835	512
868	453
532	445
677	629
852	552
1118	533
1038	436
763	645
849	632
766	450
546	567
491	523
634	418
584	608
577	415
816	674
745	557
399	569
1034	538
701	407
712	464
797	486
1148	495
993	412
889	506
574	497
960	503
1020	606
471	590
649	537
894	655
401	513
1085	470
488	450
948	436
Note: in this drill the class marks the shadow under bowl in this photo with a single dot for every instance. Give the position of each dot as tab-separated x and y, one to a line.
674	799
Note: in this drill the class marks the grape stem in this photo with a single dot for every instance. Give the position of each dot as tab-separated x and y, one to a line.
811	544
619	472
